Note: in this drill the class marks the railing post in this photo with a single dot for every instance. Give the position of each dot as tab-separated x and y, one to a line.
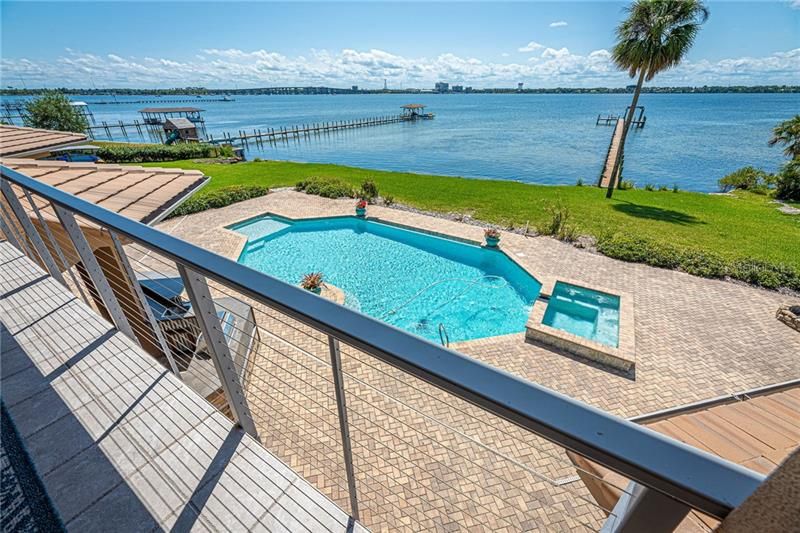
341	405
55	245
18	237
6	229
643	509
30	231
126	267
99	280
206	313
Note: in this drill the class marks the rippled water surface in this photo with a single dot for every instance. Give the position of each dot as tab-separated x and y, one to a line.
690	139
424	284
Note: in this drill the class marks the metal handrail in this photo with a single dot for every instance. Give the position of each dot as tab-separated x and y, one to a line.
701	480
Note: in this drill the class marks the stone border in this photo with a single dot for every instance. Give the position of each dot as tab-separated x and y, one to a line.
623	357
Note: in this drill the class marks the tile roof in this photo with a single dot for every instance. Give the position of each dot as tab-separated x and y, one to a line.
142	194
756	430
16	140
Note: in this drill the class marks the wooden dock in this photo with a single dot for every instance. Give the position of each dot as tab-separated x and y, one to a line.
258	136
611	156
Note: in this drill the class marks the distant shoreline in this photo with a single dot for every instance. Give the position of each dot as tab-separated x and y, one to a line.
199	91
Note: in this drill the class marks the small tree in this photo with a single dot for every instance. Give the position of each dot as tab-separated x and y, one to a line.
655	37
787	133
52	111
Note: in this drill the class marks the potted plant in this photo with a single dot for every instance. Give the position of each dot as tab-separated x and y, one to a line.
312	282
361	208
492	237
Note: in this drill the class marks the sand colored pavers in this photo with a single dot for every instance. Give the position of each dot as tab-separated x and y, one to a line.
426	461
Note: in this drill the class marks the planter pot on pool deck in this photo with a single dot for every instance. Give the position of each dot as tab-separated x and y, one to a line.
361	212
316	290
492	242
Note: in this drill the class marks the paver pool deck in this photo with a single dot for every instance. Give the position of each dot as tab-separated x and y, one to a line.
695	339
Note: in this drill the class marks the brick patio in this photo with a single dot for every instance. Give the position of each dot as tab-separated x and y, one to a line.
426	461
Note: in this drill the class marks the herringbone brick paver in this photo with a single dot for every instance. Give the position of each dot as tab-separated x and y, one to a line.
427	461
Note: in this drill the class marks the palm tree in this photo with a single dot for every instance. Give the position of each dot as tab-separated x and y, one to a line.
788	134
654	38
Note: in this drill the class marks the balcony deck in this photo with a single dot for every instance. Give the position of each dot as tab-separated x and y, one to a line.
118	442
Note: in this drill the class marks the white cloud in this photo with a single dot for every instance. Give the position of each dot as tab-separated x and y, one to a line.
794	4
506	54
226	68
531	47
562	23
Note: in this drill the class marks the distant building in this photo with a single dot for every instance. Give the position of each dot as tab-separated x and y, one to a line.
519	86
468	89
442	87
354	88
458	88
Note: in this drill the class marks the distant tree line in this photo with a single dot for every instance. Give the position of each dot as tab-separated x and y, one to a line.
202	91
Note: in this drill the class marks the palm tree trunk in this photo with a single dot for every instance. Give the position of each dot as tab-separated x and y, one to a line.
621	150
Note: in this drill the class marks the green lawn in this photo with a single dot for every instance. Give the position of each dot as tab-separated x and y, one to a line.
735	227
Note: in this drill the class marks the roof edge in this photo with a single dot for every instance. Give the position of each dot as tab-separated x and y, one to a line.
712	402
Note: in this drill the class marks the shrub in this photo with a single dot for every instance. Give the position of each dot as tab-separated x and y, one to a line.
558	226
626	185
388	200
219	198
149	153
675	188
746	179
765	274
698	263
326	187
662	188
368	191
788	181
649	187
579	183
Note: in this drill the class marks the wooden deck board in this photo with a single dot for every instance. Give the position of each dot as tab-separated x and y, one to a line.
146	451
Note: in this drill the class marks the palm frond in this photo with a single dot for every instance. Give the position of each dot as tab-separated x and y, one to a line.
657	34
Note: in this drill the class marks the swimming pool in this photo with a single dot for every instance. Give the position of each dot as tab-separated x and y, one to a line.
425	284
590	314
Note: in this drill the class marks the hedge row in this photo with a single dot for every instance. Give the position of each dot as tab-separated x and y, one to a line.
326	187
150	153
699	263
219	198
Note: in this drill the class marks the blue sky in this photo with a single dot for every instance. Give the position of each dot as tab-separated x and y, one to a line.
543	44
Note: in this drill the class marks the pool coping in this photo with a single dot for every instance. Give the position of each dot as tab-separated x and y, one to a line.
439	234
622	357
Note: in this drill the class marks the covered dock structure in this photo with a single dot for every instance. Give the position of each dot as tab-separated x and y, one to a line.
159	115
161	121
415	112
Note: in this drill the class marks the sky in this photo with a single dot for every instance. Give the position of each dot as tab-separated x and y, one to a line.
408	44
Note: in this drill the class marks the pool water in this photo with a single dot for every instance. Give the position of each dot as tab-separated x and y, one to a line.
412	280
584	312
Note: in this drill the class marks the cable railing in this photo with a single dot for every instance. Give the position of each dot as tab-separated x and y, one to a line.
400	431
